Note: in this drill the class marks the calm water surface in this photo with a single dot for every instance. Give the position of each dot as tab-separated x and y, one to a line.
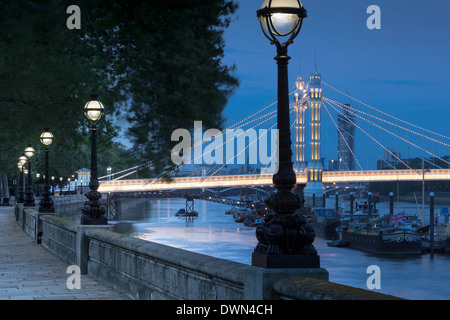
216	234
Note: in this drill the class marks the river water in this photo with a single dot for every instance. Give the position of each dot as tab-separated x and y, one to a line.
214	233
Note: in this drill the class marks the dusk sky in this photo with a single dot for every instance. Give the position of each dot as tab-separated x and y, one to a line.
401	69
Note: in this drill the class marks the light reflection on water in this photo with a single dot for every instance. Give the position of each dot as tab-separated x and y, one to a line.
216	234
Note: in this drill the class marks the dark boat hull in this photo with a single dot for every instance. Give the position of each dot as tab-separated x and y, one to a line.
326	229
388	244
446	245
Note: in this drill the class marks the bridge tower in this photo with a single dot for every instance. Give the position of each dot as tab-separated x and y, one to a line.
300	108
314	191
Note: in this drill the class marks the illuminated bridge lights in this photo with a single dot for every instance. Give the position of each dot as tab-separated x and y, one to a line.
266	180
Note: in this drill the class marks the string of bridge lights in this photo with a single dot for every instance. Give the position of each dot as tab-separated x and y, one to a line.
237	125
370	136
247	147
355	110
273	155
273	113
396	135
364	144
270	115
386	114
393	124
345	140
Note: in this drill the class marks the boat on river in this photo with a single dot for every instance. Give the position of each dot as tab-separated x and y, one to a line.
325	222
182	213
233	210
382	235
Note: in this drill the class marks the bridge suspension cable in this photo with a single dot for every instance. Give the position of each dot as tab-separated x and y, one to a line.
355	110
237	125
386	114
380	138
392	133
273	115
370	136
345	140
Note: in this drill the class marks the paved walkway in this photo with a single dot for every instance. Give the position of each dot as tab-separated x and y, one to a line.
29	272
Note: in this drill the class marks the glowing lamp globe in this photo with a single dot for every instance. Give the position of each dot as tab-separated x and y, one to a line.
280	19
94	110
46	138
29	151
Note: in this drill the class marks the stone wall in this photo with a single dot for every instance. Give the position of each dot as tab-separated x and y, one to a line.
147	270
59	236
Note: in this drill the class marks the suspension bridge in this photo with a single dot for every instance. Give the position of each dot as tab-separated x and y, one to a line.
358	124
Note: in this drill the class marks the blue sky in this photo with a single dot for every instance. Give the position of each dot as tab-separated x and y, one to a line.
401	69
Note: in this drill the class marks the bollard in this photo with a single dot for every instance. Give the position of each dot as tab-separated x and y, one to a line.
352	199
391	203
431	221
337	202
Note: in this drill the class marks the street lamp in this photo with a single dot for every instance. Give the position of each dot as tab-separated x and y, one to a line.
21	165
29	197
68	180
38	176
94	211
20	189
285	239
46	203
53	185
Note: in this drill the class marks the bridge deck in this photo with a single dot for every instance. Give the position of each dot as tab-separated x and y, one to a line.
29	272
266	179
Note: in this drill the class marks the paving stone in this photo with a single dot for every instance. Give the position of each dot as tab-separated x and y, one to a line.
29	272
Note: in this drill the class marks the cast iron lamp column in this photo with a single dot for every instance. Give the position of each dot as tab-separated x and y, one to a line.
38	176
46	203
22	162
20	198
94	211
29	197
285	239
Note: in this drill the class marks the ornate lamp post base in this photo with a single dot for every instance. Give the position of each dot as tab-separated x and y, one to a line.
94	211
286	239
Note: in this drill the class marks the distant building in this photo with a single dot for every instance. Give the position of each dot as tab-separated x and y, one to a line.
346	141
84	177
390	159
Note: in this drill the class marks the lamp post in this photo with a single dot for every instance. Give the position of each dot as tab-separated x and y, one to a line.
94	211
53	185
38	176
21	165
29	196
68	180
285	239
46	203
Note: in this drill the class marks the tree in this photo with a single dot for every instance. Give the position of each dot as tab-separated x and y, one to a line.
167	60
158	63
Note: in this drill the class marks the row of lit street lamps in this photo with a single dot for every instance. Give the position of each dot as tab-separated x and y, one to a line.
285	233
93	211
